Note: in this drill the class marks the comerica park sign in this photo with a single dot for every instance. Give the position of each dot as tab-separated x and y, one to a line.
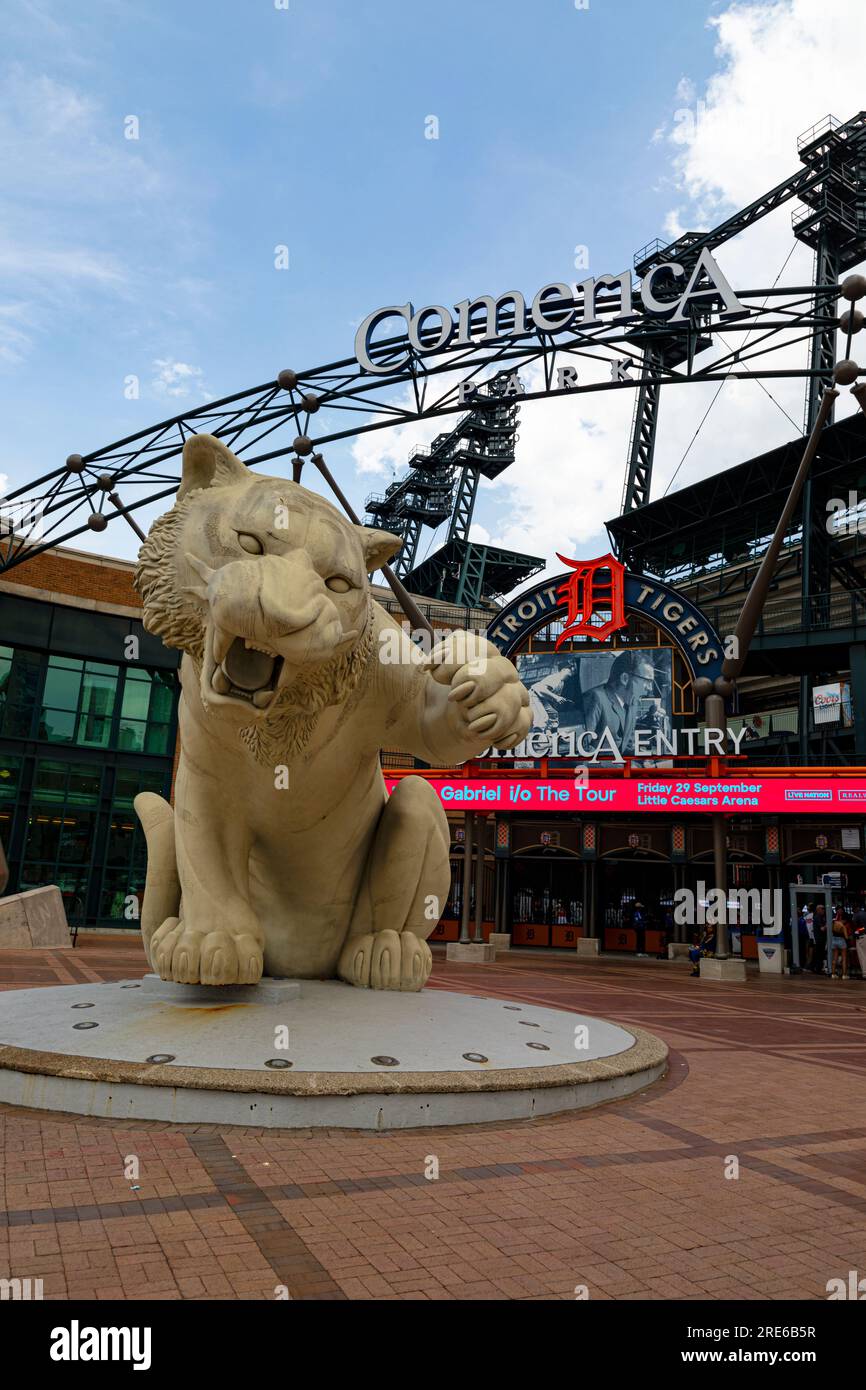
556	308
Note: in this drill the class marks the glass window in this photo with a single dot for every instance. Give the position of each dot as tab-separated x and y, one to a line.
126	851
97	705
75	836
43	835
118	891
18	689
78	702
121	833
62	683
58	726
162	698
84	784
60	831
60	699
50	781
58	839
136	695
72	883
56	781
6	655
130	736
146	712
10	773
130	782
157	738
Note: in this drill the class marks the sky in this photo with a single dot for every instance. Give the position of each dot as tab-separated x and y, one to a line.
261	124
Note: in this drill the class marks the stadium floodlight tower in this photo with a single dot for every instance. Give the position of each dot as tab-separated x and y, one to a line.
442	483
832	187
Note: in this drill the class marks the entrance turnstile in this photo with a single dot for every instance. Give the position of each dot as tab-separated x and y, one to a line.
811	891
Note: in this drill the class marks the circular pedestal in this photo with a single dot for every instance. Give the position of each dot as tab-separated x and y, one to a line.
329	1056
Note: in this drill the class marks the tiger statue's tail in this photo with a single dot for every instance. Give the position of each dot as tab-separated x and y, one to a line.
162	885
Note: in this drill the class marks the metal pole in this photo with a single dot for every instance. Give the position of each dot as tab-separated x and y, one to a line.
720	866
114	497
756	597
794	911
732	666
717	718
468	823
400	592
481	822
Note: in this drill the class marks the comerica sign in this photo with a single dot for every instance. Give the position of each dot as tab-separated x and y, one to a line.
556	308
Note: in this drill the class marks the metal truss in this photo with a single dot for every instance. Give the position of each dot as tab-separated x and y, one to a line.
726	520
441	484
341	399
832	187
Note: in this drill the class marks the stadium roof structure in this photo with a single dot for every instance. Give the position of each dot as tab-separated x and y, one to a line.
728	518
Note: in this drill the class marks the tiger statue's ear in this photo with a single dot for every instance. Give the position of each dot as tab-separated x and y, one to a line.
378	546
208	463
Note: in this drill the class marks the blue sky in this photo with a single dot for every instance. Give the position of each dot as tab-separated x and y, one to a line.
260	126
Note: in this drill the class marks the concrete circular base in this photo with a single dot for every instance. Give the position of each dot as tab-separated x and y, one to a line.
324	1055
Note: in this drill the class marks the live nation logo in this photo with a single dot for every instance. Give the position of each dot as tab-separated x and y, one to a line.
595	598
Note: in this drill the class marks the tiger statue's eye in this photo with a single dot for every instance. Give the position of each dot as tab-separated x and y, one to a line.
251	544
338	584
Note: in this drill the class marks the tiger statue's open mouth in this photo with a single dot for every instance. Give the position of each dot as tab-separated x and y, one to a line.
247	673
239	670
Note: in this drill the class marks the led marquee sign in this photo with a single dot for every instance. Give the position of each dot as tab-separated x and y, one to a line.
734	795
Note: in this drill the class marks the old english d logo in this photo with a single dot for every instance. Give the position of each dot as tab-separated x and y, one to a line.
595	598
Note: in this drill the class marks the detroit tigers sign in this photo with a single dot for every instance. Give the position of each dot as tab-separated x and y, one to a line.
688	628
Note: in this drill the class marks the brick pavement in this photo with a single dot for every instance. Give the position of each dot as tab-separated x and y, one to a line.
630	1200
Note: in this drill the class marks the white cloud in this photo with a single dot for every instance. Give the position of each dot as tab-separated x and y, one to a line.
385	452
17	321
567	477
178	379
59	148
86	212
43	263
780	67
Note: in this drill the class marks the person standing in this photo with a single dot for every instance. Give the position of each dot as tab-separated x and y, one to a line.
819	933
809	918
858	936
840	939
804	941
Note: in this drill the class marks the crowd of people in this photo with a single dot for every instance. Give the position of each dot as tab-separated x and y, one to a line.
815	939
822	943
